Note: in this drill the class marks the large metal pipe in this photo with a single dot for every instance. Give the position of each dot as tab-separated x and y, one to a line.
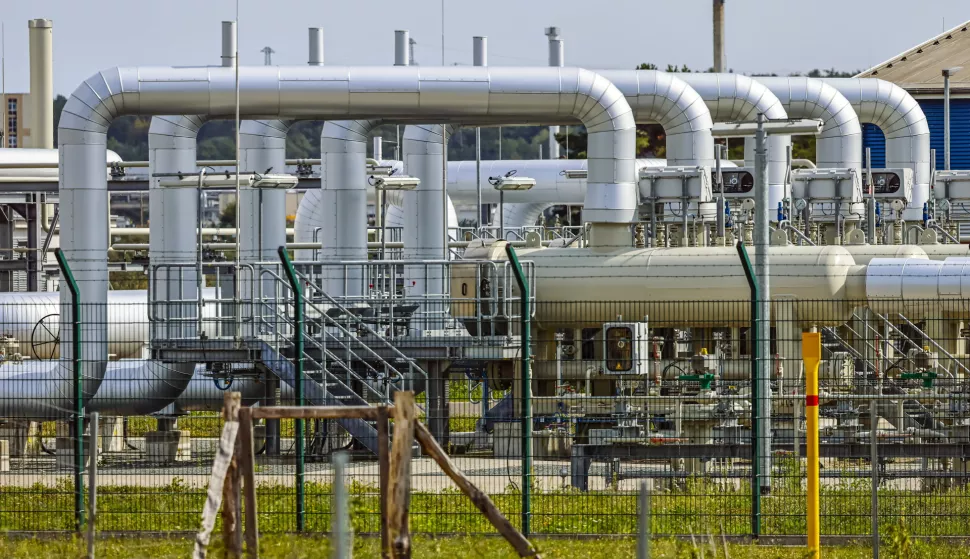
662	283
173	228
734	98
839	144
41	83
343	192
901	119
557	59
470	95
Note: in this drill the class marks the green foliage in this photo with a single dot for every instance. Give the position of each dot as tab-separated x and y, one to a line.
228	216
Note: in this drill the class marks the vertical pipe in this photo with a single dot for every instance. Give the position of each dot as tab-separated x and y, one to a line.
315	57
41	83
946	119
761	242
812	356
378	154
556	59
92	482
401	48
719	58
870	201
480	58
228	44
526	388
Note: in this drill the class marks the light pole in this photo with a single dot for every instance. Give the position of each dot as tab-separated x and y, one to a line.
947	72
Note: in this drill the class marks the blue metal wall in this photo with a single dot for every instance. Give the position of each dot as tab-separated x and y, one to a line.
874	139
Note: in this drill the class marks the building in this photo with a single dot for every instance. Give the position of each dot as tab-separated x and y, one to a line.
16	118
919	71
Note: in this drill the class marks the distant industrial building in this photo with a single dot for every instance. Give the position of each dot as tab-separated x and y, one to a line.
16	116
919	71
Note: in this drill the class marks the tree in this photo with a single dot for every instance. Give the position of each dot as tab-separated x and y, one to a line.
228	216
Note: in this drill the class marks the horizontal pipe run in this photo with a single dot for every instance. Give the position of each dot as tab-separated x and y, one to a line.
369	413
295	246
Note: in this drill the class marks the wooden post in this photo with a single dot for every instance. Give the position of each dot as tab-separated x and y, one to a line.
230	491
383	467
478	497
399	486
247	463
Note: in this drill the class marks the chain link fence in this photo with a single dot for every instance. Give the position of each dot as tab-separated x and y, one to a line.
621	392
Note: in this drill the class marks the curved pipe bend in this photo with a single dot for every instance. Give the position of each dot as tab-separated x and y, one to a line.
840	142
901	119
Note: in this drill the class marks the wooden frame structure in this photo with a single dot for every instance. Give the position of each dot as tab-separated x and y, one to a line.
233	480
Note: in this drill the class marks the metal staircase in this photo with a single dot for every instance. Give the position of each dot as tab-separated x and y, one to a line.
345	360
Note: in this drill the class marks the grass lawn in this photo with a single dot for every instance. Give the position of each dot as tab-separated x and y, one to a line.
295	547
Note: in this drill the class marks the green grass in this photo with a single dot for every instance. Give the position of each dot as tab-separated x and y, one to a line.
312	546
698	508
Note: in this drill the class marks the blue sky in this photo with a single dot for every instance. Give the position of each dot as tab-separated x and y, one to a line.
762	35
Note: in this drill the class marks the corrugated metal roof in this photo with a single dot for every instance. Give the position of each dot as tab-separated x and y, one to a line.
920	68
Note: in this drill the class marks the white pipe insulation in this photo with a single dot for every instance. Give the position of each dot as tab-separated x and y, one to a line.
343	191
901	119
735	98
467	95
839	144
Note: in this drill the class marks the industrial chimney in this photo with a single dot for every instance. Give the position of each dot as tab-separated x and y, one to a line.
556	59
720	60
41	83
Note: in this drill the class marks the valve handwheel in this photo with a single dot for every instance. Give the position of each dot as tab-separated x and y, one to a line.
46	337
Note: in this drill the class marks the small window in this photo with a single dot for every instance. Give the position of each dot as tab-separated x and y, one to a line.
619	348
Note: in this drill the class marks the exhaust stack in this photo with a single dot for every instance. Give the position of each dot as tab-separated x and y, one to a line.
228	44
556	60
316	47
41	83
720	60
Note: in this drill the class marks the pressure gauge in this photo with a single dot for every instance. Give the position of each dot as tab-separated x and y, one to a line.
800	204
747	204
898	205
944	205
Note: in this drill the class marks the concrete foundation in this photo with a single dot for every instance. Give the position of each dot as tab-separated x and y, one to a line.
166	447
111	433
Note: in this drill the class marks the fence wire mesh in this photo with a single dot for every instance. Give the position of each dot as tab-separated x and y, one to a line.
621	392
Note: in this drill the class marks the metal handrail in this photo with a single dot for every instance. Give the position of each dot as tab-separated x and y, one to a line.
934	344
365	326
786	225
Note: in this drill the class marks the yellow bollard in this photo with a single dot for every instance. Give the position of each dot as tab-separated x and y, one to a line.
811	355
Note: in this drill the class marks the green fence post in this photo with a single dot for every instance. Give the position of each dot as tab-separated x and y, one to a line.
756	442
78	394
526	320
298	385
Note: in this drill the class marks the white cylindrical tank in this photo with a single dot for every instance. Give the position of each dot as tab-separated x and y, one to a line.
863	254
33	319
942	252
677	286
